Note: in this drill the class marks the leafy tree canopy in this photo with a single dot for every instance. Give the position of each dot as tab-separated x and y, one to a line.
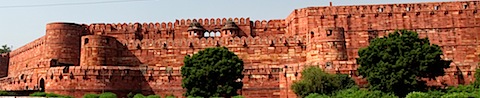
315	80
212	72
5	49
397	62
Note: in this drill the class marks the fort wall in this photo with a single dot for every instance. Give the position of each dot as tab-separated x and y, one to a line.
77	59
28	56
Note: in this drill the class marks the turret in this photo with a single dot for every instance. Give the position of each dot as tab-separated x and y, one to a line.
195	30
63	43
99	50
230	29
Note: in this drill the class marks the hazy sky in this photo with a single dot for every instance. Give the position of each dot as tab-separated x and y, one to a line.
20	22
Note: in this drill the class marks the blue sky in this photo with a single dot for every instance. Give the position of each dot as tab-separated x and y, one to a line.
20	25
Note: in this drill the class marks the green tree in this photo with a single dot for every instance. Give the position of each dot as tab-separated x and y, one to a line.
355	92
315	80
5	49
212	72
90	96
397	62
477	78
108	95
417	95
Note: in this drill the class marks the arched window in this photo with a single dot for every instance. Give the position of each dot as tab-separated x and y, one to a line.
86	41
217	33
206	34
212	34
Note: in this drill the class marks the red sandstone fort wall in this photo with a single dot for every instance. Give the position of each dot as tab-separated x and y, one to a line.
274	51
28	56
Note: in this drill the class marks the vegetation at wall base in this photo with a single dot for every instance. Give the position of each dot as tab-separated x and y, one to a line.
5	93
398	62
43	94
212	72
315	80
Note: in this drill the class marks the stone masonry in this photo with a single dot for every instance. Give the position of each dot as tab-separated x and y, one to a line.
75	59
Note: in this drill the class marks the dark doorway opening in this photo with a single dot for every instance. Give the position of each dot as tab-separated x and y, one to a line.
42	85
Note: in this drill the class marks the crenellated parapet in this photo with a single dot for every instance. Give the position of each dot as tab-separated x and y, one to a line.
214	42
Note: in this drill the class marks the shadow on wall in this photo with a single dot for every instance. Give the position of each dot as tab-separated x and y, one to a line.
130	79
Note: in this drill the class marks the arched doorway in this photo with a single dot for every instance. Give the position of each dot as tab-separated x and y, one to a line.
42	85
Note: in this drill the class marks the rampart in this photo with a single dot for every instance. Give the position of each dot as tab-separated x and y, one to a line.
146	57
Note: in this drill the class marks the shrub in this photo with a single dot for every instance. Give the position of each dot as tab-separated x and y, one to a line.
139	96
435	93
360	93
315	80
217	69
53	95
90	96
39	94
193	97
5	93
460	95
238	96
153	96
417	95
108	95
316	95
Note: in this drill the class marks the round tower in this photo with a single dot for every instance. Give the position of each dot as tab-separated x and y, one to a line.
63	43
98	50
333	40
326	45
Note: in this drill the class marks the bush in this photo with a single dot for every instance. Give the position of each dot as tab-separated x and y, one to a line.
360	93
108	95
43	94
463	88
316	95
193	97
217	69
238	96
460	95
39	94
139	96
90	96
477	78
5	93
153	96
315	80
417	95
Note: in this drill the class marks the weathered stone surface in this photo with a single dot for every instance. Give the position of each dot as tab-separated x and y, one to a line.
146	57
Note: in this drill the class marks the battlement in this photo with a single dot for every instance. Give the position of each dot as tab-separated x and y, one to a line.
130	27
390	8
213	21
32	45
213	42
